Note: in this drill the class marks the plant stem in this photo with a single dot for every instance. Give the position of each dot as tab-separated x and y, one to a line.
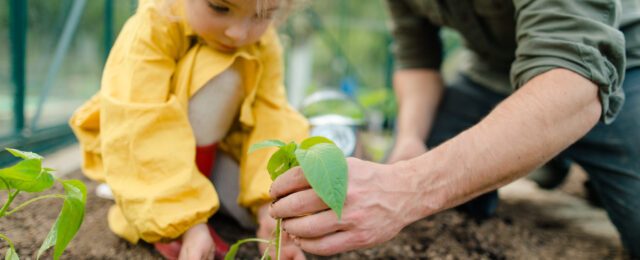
12	196
266	252
26	203
278	236
5	238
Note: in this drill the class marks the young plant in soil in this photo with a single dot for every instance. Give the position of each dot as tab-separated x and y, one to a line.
324	167
28	175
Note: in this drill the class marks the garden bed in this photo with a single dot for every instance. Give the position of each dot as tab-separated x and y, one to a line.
521	229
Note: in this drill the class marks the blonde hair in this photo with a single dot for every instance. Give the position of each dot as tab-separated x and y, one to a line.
286	7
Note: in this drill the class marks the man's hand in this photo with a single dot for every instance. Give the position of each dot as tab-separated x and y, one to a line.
405	149
379	204
288	250
197	244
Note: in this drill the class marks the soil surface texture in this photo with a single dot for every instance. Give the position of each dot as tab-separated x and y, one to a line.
521	229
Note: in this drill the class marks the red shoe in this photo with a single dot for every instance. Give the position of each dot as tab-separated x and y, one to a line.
171	250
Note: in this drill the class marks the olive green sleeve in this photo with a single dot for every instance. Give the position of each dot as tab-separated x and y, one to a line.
580	36
416	40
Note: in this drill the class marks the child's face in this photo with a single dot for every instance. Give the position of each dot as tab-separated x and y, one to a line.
229	24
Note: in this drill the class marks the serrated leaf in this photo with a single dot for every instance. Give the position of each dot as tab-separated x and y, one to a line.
27	175
69	220
311	141
265	144
23	154
11	254
325	169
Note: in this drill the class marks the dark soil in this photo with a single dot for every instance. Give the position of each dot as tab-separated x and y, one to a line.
518	231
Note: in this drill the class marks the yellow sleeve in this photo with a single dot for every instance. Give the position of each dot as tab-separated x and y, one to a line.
273	118
148	148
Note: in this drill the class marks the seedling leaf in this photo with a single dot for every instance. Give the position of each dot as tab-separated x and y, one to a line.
265	144
69	220
325	168
233	250
11	254
27	175
277	163
24	155
282	160
49	241
311	141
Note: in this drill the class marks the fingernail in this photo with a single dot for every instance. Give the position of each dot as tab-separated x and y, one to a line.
271	210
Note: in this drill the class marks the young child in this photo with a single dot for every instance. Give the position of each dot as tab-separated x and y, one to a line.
187	78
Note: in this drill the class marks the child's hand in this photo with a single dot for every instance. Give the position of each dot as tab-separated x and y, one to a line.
197	244
267	224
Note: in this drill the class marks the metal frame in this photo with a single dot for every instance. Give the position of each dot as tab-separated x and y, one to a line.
29	136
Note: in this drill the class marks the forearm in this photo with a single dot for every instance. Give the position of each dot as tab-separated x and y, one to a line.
418	92
537	122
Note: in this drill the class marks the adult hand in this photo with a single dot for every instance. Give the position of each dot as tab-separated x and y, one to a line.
288	250
197	244
405	149
381	200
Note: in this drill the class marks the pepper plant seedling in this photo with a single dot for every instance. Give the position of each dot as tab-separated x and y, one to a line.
28	175
323	166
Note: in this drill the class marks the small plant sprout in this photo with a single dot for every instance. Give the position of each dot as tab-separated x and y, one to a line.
324	167
28	175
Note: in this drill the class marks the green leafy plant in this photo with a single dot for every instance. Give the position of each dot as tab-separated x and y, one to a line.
324	167
28	175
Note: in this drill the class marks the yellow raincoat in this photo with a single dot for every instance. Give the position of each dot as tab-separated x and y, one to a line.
135	132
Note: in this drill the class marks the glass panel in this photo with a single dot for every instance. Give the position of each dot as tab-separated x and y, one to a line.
6	93
79	75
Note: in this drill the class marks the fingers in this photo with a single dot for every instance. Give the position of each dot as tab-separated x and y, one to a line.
292	252
291	181
315	225
297	204
332	244
212	254
299	255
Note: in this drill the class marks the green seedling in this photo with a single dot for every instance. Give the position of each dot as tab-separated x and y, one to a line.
29	176
323	166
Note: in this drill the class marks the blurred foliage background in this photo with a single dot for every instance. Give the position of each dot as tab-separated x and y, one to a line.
343	45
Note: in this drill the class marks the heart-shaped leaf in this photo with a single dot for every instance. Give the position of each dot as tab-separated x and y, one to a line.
326	171
311	141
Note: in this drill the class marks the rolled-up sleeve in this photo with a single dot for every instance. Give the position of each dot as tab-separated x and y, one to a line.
580	36
416	40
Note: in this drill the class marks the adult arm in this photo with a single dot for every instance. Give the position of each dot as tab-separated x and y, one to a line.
417	82
568	69
418	92
524	131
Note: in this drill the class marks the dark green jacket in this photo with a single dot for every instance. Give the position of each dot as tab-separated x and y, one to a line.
508	42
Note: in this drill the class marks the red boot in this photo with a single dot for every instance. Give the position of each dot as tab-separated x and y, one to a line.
171	250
